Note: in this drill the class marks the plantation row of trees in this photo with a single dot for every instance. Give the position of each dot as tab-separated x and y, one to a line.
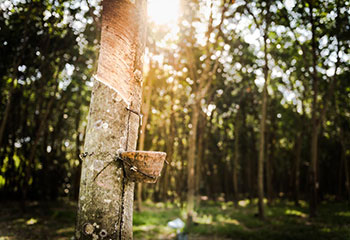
248	98
47	60
254	105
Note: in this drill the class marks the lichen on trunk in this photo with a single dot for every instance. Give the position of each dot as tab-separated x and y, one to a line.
106	196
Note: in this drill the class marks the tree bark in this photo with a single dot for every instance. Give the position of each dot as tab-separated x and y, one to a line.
31	159
261	154
269	168
347	175
314	123
270	148
344	141
236	157
191	163
5	117
170	153
145	113
297	148
200	149
105	205
263	122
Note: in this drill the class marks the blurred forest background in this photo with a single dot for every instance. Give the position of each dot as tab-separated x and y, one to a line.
254	95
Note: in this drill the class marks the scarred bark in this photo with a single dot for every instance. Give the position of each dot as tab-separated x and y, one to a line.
106	197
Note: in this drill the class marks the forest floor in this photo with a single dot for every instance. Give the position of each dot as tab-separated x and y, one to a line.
55	221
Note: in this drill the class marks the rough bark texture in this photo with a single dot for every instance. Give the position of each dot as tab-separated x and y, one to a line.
106	196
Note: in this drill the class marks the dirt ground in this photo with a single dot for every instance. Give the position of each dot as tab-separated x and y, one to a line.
40	221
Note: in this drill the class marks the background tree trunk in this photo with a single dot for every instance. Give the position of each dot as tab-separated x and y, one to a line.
5	117
263	122
297	147
145	112
191	163
236	157
314	123
261	154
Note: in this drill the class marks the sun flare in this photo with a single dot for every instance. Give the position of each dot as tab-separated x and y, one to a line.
164	12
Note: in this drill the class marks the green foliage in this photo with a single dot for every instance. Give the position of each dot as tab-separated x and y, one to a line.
48	48
236	89
46	75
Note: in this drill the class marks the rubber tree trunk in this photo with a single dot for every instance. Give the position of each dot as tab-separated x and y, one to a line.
270	148
315	125
170	152
199	165
145	113
260	182
31	160
5	117
191	162
261	155
236	157
347	175
262	140
105	207
269	173
297	147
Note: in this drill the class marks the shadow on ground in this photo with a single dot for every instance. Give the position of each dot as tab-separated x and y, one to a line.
55	221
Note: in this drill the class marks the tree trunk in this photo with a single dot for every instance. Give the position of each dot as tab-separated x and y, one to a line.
191	163
347	175
313	170
106	196
345	159
269	169
340	175
236	157
297	145
200	156
263	130
5	117
270	146
261	154
145	113
77	169
170	153
31	160
315	125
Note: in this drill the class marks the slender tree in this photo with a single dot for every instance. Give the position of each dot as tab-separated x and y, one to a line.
200	90
145	112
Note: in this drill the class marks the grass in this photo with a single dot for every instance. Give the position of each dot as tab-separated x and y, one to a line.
223	221
213	220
